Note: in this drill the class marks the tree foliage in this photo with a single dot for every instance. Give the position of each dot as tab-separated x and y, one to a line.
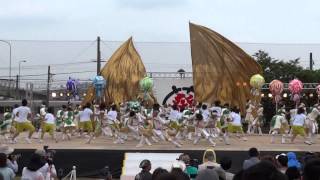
284	70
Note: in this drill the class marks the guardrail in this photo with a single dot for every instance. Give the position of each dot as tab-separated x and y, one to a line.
306	86
8	83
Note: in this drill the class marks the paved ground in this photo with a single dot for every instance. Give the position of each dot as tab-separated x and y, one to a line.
261	142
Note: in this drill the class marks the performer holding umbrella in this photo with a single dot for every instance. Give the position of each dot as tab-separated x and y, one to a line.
276	88
256	82
295	87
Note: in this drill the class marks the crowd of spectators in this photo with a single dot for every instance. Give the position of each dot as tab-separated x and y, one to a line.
38	167
284	166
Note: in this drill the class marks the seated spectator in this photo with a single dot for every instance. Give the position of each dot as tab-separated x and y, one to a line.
293	173
48	166
269	158
253	160
292	160
207	174
5	171
31	171
263	170
311	170
11	159
159	172
166	176
177	170
145	174
282	161
225	164
191	171
209	160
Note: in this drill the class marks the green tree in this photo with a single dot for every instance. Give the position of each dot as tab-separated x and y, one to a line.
279	69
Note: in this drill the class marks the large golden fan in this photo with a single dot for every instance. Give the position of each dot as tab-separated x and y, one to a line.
90	94
221	70
123	71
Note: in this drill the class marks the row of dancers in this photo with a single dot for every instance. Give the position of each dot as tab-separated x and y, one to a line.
149	125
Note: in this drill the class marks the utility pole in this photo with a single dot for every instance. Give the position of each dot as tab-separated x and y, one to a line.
17	87
311	62
48	86
98	56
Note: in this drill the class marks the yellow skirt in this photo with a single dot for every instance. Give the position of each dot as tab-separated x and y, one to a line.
234	129
298	130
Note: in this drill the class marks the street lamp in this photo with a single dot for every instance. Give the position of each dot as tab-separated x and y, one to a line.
20	70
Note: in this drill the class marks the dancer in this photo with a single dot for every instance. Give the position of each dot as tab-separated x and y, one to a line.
158	125
68	123
235	125
258	121
188	123
42	114
217	107
14	119
85	121
298	126
5	125
23	113
145	130
279	125
212	124
311	122
205	113
249	116
174	114
171	131
111	117
224	122
59	119
100	123
76	120
134	120
49	126
200	130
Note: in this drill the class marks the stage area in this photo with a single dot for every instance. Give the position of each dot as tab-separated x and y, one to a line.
106	143
91	158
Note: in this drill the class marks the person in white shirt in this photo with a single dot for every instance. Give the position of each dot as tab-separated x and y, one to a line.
311	122
133	121
205	113
111	119
236	126
14	118
217	107
86	116
23	113
174	114
298	125
49	125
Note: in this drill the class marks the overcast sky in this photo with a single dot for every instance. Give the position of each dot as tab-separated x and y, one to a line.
291	29
276	21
